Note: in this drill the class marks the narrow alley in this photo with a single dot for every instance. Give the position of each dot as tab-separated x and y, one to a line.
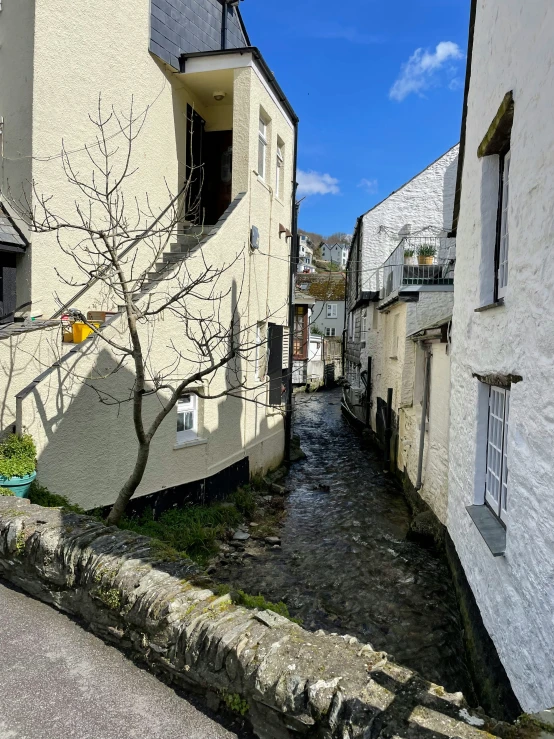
346	564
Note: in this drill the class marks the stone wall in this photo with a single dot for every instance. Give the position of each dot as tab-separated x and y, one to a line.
287	681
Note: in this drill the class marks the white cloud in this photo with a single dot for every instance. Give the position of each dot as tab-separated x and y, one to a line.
315	183
370	186
421	70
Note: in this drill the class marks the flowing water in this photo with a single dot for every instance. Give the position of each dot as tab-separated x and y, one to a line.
345	563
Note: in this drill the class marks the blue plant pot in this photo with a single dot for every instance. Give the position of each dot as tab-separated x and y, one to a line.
19	485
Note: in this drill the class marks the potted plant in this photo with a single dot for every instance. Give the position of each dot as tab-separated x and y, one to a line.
409	256
18	464
426	254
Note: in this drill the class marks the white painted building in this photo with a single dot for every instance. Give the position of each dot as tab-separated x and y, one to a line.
336	253
398	316
305	255
201	107
501	499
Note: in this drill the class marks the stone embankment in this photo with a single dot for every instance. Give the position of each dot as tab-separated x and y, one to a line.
286	681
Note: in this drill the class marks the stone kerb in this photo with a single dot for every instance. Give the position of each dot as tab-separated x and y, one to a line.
287	681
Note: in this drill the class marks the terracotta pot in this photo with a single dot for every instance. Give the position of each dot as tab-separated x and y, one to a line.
425	260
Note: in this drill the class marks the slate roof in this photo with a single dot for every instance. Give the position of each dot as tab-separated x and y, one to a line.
323	287
10	235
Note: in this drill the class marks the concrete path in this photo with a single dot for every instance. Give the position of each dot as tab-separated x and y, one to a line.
59	681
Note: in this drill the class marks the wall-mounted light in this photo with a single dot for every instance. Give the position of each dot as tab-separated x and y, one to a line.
219	95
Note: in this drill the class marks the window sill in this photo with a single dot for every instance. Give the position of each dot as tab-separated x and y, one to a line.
496	304
263	182
192	442
489	527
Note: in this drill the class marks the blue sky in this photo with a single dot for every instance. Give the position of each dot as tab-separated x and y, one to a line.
378	88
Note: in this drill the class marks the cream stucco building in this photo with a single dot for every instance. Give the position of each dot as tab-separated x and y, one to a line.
501	505
397	333
207	103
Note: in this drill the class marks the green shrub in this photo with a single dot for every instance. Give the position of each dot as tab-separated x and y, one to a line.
39	495
6	492
192	531
17	456
245	501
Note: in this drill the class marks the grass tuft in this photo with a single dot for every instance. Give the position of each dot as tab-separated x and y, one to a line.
39	495
192	532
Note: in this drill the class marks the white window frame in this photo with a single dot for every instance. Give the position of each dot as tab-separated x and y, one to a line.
187	405
262	148
330	331
503	247
364	323
279	164
496	475
332	310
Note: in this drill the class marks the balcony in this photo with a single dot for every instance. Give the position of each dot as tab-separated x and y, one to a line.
418	262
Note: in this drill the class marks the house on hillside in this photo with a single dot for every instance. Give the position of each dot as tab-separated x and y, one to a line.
335	253
305	255
501	506
399	302
212	116
328	290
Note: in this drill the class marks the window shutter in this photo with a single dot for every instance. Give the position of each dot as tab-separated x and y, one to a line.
275	363
286	342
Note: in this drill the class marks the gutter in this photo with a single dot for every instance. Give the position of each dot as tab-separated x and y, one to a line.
461	154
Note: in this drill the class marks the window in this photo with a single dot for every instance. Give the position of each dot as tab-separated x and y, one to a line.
501	255
262	148
331	310
495	150
496	482
187	418
330	331
279	170
350	326
364	323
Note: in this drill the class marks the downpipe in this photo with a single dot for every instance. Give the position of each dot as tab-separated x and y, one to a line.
424	406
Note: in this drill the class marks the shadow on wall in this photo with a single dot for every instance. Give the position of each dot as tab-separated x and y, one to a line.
22	358
449	192
86	448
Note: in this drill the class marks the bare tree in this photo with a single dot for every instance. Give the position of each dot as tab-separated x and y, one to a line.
122	243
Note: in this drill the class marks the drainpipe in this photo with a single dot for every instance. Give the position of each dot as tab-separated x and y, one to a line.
388	430
424	407
292	280
368	395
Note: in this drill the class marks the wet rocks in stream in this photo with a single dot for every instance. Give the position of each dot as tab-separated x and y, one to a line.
339	552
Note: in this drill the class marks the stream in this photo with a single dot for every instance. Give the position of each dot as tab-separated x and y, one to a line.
345	563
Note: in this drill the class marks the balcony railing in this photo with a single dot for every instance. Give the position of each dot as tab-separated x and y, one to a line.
418	260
